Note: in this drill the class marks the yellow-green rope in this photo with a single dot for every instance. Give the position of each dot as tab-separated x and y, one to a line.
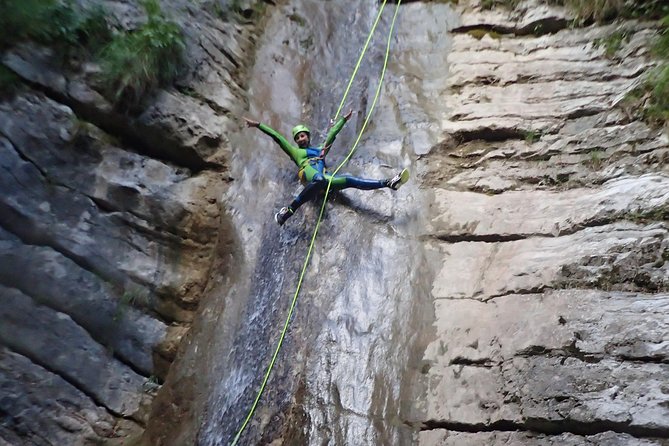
357	65
320	216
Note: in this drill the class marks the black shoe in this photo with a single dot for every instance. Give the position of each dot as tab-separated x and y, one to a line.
283	215
395	182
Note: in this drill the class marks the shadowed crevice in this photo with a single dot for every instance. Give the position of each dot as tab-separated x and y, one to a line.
549	25
73	383
549	427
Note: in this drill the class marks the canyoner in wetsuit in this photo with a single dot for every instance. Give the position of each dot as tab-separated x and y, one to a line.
311	163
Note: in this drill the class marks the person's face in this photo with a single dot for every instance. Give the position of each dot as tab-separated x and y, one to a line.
302	139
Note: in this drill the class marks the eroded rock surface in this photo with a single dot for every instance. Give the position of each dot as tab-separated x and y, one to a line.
110	229
514	292
549	226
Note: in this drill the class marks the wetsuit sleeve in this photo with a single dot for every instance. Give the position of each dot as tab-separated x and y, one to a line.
280	140
332	134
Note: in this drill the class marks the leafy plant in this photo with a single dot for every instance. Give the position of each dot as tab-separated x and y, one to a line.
138	61
93	30
20	19
53	22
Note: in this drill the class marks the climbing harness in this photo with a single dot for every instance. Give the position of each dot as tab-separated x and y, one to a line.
327	192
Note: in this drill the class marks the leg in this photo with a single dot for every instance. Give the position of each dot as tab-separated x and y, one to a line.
317	184
319	181
340	182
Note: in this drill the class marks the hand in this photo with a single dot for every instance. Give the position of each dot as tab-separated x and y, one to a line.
251	123
347	116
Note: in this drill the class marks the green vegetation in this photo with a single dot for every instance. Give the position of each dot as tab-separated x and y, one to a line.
532	136
661	47
307	44
595	160
132	297
53	22
247	14
613	42
9	81
136	62
218	10
295	17
657	86
608	10
151	385
235	10
489	4
133	63
650	100
127	300
657	83
25	19
599	10
647	216
479	33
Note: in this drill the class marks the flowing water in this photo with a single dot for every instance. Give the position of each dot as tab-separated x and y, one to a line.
343	374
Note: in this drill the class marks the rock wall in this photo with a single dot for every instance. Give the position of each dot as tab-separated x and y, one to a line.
514	292
549	226
111	229
339	376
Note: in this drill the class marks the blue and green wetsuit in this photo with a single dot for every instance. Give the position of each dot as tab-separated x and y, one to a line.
311	164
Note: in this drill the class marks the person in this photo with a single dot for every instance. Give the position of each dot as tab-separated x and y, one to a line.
310	161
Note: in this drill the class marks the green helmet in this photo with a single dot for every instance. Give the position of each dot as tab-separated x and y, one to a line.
300	128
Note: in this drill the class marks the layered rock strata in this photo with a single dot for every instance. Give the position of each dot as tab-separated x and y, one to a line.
550	225
111	227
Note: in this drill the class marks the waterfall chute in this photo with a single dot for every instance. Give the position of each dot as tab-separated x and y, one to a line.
327	192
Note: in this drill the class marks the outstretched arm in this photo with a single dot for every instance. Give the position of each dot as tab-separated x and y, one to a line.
336	128
276	136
